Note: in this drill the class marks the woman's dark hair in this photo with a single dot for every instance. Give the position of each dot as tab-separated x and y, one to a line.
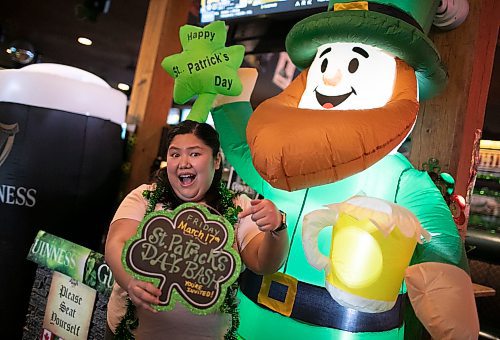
210	137
203	131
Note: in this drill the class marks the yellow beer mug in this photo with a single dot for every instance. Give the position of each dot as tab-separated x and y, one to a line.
372	244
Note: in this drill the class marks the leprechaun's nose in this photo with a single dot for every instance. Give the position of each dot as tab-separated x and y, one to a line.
332	78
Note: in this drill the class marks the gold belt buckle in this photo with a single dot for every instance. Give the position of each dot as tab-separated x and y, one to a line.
282	307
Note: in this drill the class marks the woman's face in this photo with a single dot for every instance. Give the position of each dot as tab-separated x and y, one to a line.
190	167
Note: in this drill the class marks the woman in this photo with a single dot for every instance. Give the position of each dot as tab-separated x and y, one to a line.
193	174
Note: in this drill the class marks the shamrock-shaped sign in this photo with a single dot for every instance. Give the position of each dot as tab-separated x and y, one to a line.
205	67
188	254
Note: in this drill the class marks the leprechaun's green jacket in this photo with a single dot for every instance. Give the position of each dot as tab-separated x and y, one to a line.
393	178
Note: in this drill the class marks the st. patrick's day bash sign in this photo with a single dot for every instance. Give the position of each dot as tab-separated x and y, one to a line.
188	254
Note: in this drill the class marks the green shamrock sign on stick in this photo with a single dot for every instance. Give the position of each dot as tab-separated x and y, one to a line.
205	67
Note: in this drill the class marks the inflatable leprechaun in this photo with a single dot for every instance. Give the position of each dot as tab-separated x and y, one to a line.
329	136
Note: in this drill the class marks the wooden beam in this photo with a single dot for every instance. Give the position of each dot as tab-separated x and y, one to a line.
448	125
484	56
152	90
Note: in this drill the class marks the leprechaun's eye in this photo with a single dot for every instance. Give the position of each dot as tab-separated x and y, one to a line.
353	65
324	65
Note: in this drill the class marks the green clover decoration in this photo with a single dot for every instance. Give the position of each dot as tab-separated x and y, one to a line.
205	67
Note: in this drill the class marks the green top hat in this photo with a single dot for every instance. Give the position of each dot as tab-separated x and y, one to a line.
397	26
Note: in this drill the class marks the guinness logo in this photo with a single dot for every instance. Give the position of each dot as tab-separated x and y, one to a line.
7	135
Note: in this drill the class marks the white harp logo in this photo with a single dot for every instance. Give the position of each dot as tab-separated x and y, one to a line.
7	135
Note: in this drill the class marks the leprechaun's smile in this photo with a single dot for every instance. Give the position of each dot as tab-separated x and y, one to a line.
329	102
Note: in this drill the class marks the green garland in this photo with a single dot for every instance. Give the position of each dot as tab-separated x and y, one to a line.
129	322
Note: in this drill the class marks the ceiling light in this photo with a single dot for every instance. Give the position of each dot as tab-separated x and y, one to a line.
22	52
85	41
123	87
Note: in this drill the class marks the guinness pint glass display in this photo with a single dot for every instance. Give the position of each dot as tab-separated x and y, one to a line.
60	156
371	246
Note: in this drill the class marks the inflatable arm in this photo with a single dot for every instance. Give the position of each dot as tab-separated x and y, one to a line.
231	115
439	287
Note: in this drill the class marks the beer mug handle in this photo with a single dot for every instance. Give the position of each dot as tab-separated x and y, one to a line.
313	223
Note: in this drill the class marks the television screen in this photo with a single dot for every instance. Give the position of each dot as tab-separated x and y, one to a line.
211	10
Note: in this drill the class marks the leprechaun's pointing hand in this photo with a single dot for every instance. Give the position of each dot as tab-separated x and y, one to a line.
205	67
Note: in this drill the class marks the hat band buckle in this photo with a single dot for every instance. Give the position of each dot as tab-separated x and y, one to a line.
375	7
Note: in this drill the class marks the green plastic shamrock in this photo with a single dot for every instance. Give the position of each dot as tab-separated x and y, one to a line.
205	67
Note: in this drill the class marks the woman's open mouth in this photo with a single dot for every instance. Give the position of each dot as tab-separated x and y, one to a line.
186	179
329	102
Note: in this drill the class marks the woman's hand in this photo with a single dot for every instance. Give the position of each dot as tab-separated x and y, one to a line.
265	253
143	294
264	213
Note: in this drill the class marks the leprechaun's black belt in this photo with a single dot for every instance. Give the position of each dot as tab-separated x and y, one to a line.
313	304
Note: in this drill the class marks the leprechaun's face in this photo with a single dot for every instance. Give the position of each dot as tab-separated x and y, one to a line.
294	146
346	76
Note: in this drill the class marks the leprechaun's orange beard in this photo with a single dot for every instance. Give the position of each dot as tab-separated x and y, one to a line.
296	148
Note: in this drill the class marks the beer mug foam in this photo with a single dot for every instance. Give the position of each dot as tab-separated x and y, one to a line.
371	246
